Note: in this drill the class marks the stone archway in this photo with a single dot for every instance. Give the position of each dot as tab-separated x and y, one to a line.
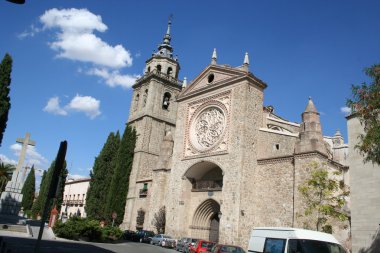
205	223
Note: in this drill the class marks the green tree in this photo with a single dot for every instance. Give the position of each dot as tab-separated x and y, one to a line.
365	104
44	188
37	205
28	191
118	191
324	197
101	177
6	171
5	101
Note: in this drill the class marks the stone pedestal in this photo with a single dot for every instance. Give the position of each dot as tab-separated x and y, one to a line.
10	202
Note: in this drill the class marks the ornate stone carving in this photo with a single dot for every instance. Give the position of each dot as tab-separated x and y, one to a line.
207	125
207	128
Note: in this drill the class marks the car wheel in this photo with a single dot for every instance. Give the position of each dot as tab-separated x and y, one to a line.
141	240
151	242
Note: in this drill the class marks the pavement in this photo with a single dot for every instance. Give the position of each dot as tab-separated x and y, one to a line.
25	242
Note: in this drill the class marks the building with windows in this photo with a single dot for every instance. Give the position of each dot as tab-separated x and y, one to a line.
218	159
74	197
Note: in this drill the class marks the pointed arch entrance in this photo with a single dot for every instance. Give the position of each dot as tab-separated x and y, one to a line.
205	222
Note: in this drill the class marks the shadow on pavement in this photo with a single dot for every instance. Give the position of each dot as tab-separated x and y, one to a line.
375	245
26	245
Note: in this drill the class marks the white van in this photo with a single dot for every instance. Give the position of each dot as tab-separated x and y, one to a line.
292	240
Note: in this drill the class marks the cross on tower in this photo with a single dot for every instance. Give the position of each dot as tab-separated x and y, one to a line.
25	142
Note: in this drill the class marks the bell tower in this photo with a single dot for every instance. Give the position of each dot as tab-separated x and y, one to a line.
153	113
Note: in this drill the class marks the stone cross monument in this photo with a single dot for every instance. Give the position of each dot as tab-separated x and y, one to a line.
11	198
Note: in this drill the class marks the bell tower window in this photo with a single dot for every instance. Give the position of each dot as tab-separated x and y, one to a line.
159	68
166	101
145	97
170	71
136	101
148	69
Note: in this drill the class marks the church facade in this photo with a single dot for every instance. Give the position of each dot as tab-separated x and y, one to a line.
218	159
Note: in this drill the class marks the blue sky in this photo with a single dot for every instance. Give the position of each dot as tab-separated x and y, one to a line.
74	61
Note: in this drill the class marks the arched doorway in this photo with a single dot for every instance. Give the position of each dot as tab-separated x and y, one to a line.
206	221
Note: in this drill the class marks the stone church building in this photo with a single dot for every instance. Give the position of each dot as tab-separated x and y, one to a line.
218	159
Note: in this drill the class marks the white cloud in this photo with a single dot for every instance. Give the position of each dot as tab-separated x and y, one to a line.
53	107
346	110
87	104
29	33
114	78
32	156
75	38
6	160
76	176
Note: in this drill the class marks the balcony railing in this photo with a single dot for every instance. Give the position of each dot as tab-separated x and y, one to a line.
143	193
208	185
71	202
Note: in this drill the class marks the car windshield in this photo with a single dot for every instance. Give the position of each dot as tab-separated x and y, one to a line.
167	236
207	244
311	246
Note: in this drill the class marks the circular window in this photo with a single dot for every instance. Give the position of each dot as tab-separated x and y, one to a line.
210	78
207	128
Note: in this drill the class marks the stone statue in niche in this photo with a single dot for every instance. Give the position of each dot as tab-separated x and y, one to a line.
136	102
144	98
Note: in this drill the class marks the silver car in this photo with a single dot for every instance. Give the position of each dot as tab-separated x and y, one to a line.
158	239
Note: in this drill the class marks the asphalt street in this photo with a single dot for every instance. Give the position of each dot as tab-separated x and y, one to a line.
26	245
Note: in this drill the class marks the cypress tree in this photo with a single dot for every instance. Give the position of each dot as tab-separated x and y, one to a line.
118	191
28	191
37	204
5	101
44	188
101	177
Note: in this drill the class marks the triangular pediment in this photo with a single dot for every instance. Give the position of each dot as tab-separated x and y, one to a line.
213	75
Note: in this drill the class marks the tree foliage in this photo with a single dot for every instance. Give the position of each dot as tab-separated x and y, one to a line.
101	177
365	104
28	191
324	197
159	220
5	101
6	171
39	204
118	191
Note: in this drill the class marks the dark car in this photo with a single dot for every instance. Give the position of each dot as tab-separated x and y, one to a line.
224	248
143	236
128	234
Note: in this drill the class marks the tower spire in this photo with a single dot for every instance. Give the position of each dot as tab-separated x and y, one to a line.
165	49
214	57
246	62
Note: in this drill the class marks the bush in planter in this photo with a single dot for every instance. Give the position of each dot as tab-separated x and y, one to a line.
111	233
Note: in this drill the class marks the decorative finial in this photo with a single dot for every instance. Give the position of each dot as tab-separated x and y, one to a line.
169	24
184	84
214	57
246	59
309	97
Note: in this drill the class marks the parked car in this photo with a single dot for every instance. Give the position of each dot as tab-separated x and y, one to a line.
169	243
128	234
143	236
157	239
182	243
224	248
201	246
267	239
190	243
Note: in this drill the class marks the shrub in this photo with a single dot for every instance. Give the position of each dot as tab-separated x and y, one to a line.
86	229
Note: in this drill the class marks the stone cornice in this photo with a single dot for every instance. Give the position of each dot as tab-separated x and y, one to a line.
279	159
161	119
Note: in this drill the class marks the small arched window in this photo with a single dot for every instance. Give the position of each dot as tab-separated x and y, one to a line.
148	69
170	71
145	97
166	101
159	68
137	98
